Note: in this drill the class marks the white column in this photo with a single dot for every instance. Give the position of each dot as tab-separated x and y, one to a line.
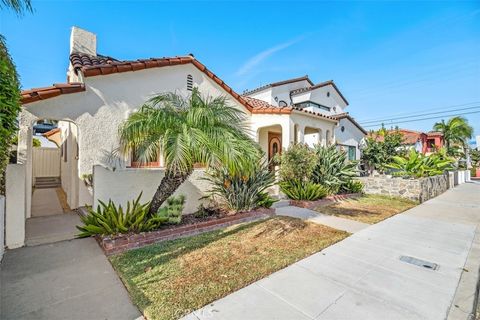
287	134
15	205
300	133
24	154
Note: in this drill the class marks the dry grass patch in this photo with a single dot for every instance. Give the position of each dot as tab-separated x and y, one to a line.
368	208
171	279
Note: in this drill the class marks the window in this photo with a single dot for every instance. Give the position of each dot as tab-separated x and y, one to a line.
352	153
308	104
328	93
189	82
282	104
153	161
342	128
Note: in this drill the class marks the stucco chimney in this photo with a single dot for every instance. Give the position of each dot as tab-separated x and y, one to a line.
83	41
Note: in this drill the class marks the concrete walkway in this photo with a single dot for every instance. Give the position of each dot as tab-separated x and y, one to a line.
65	280
49	229
373	274
45	202
348	225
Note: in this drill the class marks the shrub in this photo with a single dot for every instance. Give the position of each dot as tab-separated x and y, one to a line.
303	190
332	169
380	147
417	165
241	192
172	212
352	186
297	162
10	107
266	201
109	219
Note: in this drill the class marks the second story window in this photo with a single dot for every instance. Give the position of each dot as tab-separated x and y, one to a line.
310	104
189	82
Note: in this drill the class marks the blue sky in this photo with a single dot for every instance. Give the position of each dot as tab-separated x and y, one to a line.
389	59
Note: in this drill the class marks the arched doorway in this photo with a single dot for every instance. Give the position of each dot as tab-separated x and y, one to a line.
55	181
274	144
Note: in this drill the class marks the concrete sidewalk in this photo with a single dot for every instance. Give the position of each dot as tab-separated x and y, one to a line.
338	223
64	280
373	274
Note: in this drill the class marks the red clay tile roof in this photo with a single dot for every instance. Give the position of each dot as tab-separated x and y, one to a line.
262	107
51	132
101	65
279	83
434	134
409	136
319	85
80	60
347	116
57	89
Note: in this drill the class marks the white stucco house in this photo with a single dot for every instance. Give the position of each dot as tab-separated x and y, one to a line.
323	98
101	92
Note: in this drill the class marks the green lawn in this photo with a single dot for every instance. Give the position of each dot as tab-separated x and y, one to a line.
171	279
368	208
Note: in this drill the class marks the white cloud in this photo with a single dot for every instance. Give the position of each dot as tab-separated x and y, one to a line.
260	57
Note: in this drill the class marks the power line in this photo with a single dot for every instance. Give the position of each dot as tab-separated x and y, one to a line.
421	111
422	119
420	115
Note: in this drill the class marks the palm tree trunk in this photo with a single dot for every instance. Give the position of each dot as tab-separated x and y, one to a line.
167	187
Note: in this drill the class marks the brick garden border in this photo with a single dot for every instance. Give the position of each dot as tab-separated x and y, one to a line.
121	243
325	201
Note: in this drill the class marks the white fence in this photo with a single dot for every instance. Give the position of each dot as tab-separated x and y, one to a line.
46	162
125	185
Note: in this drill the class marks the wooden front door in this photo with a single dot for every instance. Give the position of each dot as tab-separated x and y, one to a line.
274	144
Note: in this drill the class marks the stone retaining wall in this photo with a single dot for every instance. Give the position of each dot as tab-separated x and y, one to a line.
420	189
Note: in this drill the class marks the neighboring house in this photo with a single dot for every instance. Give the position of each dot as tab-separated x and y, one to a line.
101	92
425	143
322	98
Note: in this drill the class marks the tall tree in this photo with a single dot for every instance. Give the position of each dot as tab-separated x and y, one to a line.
455	131
187	131
9	92
9	108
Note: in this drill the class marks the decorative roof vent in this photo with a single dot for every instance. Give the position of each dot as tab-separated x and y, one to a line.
189	82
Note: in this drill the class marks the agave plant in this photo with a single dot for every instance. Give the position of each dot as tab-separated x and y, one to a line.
352	186
241	192
172	212
303	190
109	219
332	169
417	165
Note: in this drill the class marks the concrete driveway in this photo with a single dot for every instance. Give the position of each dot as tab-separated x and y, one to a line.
64	280
406	267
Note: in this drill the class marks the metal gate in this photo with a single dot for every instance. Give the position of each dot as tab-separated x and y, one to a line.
46	162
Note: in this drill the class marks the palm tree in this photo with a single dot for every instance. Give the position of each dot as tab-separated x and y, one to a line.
455	131
19	6
187	131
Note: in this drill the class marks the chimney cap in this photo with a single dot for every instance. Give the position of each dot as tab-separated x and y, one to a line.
83	41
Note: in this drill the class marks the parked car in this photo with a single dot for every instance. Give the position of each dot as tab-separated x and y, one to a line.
43	127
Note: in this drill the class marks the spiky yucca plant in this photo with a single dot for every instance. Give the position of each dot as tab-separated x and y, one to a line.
109	219
332	169
241	191
303	190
